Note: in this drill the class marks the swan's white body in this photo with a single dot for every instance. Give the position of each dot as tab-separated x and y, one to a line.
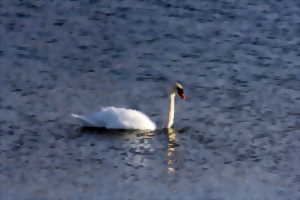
122	118
118	118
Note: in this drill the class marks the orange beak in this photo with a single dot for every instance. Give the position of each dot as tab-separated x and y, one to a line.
182	96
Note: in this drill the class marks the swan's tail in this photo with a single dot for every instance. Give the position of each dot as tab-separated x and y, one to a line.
76	116
84	119
81	117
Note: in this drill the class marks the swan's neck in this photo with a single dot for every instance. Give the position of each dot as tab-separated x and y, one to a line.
171	110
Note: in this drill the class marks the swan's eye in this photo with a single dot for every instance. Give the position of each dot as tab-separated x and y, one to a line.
180	91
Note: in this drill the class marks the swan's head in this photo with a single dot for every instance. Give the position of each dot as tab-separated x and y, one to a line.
179	90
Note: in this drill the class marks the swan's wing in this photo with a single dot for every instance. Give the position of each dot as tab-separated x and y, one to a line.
121	118
117	118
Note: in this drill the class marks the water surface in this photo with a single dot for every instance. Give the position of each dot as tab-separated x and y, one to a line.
236	137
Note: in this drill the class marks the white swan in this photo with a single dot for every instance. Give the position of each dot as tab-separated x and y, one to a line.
122	118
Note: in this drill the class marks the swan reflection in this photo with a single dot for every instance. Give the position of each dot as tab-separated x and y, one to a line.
140	146
171	152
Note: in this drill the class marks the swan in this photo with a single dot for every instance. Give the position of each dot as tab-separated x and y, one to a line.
123	118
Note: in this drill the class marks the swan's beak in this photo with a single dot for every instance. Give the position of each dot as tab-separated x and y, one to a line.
182	96
180	92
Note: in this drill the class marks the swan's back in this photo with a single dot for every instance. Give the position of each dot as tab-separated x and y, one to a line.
119	118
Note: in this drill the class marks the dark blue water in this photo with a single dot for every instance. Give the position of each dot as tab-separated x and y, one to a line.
236	137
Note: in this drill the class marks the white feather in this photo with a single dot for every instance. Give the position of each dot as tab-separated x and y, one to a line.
118	118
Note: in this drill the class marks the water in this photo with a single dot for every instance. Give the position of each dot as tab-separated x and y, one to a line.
236	137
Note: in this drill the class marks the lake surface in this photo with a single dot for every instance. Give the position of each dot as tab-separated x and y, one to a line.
237	136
